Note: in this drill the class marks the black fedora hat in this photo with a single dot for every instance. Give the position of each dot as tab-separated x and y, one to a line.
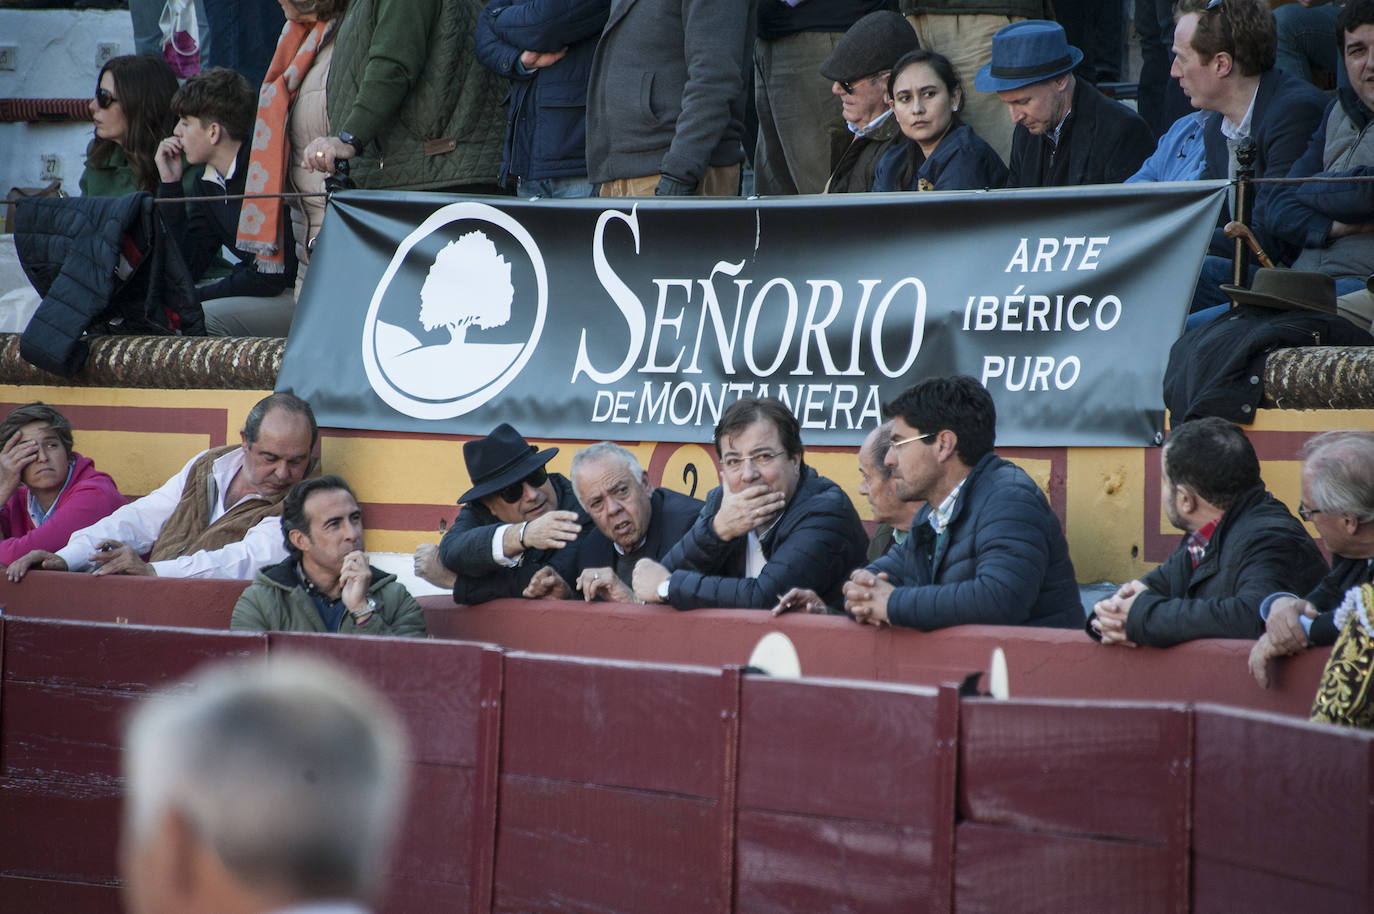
1287	290
501	458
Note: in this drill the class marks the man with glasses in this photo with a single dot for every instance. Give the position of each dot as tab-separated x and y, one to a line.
985	549
1240	545
516	518
773	523
858	69
1338	500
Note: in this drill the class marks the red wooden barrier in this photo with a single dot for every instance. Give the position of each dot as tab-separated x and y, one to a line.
1283	815
1073	808
64	697
859	819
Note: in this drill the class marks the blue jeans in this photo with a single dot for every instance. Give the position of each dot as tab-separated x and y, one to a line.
1307	35
570	188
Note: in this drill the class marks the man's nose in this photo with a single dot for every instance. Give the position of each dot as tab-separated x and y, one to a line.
835	89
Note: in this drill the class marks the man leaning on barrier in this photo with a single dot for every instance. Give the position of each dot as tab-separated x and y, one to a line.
985	549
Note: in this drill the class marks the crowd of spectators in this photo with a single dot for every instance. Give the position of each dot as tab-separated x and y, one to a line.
819	97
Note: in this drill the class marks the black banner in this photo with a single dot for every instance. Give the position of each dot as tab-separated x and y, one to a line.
642	319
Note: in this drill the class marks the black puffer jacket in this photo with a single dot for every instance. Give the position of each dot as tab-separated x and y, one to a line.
71	248
816	543
1259	548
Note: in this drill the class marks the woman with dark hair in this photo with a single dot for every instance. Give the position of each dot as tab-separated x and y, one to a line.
939	152
48	491
132	110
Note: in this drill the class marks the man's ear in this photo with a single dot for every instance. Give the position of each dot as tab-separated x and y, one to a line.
297	537
214	132
1223	63
946	443
1185	499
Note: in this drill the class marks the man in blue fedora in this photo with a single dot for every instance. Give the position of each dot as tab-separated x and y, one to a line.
516	518
1066	132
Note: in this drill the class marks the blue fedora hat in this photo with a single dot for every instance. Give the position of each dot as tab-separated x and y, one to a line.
1026	52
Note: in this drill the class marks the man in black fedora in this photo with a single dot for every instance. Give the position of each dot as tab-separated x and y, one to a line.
1067	132
857	69
516	518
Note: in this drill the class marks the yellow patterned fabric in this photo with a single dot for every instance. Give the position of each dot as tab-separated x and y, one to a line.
1344	695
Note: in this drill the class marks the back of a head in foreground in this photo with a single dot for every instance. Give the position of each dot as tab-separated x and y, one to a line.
290	771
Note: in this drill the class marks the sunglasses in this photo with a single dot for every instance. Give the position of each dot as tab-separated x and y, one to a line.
516	490
104	98
848	87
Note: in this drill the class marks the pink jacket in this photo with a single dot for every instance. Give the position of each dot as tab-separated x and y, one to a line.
89	496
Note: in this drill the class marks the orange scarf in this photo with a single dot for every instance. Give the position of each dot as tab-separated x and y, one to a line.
262	220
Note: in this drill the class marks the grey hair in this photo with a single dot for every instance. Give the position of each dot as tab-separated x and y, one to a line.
1341	468
601	450
292	771
283	400
882	441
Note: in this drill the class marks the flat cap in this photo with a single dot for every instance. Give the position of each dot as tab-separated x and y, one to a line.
871	45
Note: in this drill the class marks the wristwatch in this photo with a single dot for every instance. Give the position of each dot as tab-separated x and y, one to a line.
363	613
663	588
350	139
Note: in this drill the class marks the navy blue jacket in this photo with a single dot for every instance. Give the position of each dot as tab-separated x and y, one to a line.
1287	111
1002	561
203	228
1103	142
1330	592
672	516
1257	549
962	161
815	544
546	110
466	551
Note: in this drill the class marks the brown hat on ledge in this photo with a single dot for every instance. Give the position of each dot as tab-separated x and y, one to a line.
1287	290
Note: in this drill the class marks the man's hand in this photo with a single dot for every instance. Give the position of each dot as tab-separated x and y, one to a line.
1283	628
355	577
168	160
1111	613
13	458
538	60
553	530
114	557
648	575
602	584
1261	659
429	568
745	510
323	152
547	584
802	600
48	561
866	596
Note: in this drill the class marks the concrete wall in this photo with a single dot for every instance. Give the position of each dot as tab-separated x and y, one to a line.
56	56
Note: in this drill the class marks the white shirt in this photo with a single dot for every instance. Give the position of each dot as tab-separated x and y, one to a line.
139	523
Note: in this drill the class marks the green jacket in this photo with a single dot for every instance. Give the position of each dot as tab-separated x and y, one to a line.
276	602
405	80
1029	9
116	177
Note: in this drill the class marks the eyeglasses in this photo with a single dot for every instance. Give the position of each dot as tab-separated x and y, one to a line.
105	98
898	442
848	87
1306	513
516	490
761	461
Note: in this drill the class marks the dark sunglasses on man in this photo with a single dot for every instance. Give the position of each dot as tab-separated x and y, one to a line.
516	490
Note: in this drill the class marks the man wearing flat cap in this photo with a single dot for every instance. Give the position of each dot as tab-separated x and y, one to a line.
858	69
516	518
1066	132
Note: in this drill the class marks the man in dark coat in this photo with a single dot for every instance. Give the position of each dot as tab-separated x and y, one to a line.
633	521
1067	133
857	70
773	523
516	518
985	549
1337	499
1241	545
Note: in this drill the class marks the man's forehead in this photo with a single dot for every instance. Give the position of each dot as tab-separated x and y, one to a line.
759	435
36	430
331	502
283	431
603	471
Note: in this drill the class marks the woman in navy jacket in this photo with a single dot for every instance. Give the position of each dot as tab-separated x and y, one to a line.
940	152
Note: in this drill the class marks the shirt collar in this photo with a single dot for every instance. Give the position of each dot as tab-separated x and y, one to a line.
1199	540
939	517
1235	132
214	177
871	126
1054	137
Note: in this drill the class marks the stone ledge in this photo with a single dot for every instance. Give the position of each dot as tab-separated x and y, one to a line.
165	362
1324	377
